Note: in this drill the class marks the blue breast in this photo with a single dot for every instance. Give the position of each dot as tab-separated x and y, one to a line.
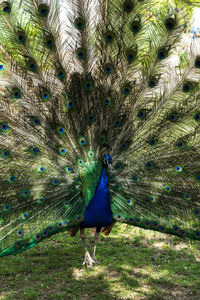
98	213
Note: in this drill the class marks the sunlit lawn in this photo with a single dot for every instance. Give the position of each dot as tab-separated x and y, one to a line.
133	264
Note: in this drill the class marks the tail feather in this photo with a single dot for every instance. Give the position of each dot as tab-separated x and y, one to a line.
81	79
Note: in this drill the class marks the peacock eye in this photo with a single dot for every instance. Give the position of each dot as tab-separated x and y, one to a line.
126	91
45	233
6	208
5	153
25	194
128	6
17	94
49	43
88	86
162	228
197	62
117	123
162	53
167	188
41	200
80	162
175	228
131	54
1	67
81	53
198	234
173	117
32	67
37	237
186	88
135	26
55	182
108	70
106	101
150	165
178	169
82	141
152	142
197	116
170	23
45	96
79	23
61	74
43	10
155	224
153	199
70	104
10	179
5	7
61	130
91	119
181	145
37	121
20	36
62	151
109	37
34	150
90	154
187	197
142	114
151	83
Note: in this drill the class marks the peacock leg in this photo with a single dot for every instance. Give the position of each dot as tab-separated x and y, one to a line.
88	261
96	236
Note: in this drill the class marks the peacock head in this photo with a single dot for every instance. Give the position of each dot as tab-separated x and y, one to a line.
107	160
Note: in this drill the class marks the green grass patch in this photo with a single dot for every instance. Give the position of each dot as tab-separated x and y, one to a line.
133	264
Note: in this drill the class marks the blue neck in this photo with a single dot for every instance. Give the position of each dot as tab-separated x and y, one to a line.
98	213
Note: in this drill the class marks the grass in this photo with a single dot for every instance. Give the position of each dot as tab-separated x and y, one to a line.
133	264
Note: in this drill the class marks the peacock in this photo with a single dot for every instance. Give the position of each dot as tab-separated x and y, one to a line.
99	119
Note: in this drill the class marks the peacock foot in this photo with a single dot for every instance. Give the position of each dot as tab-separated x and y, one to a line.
88	261
95	260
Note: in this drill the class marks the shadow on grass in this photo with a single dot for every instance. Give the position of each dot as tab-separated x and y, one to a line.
136	267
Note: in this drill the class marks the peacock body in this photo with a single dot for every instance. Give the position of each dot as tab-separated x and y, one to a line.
99	118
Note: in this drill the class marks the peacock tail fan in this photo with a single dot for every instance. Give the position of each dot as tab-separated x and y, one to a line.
81	79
